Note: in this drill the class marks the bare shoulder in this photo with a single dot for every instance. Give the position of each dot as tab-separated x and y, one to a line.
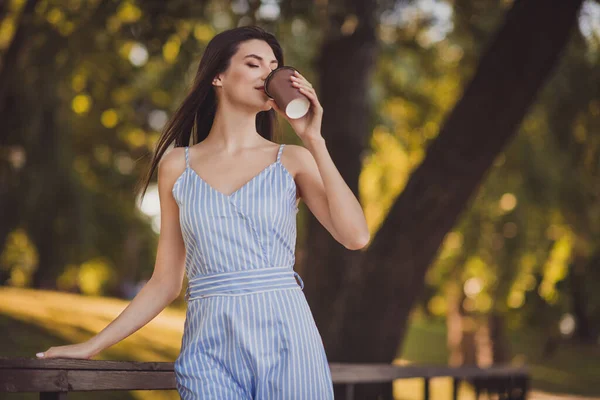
301	164
299	151
297	157
171	165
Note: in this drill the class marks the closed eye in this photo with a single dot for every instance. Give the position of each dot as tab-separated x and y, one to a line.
255	66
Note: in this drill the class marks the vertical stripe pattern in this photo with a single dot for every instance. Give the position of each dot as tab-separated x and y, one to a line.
249	332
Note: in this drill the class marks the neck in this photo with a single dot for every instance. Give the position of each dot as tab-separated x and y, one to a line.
233	128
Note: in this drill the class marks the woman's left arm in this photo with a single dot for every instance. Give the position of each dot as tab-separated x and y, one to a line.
328	196
321	186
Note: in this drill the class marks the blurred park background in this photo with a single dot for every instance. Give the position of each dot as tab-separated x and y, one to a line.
469	129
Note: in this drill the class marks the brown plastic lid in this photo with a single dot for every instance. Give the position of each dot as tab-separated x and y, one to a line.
273	73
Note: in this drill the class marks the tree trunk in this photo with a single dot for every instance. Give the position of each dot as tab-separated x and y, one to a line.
44	199
368	321
344	69
579	300
10	210
15	52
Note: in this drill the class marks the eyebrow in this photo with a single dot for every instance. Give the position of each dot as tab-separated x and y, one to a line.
259	58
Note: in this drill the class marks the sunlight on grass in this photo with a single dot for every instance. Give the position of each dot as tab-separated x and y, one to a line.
76	318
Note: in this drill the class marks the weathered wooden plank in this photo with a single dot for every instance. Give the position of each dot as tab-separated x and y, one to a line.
86	380
14	381
70	363
55	375
368	373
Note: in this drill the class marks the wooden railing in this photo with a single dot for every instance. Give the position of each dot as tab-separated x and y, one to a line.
54	378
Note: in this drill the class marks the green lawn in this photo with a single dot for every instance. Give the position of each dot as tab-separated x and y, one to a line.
31	321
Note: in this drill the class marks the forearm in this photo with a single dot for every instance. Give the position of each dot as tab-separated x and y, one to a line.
346	212
147	304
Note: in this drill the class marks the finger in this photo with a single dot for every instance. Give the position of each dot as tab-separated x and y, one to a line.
308	91
302	80
311	96
298	74
303	85
316	103
45	354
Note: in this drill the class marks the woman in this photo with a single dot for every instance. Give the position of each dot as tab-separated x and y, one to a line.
228	221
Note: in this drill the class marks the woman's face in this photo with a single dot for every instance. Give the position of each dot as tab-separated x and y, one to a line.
247	71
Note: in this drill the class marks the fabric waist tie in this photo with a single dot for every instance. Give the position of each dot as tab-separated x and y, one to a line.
240	283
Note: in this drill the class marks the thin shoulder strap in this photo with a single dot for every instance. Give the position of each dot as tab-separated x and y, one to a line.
280	150
187	161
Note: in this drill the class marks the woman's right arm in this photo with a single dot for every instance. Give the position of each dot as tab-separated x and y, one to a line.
167	278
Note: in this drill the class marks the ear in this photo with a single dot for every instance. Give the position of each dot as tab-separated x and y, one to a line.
217	81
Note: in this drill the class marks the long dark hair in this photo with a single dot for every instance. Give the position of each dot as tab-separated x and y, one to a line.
197	111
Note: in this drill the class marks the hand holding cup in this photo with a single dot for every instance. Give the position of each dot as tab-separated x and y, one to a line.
292	96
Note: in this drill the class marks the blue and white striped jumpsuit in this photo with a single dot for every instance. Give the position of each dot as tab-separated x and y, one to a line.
249	332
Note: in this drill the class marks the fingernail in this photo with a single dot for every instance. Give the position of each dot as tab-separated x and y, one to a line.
40	355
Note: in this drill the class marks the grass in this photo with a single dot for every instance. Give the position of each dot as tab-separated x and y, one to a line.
33	320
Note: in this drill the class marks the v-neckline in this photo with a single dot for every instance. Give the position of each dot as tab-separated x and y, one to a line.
229	196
